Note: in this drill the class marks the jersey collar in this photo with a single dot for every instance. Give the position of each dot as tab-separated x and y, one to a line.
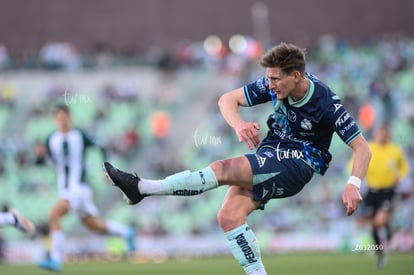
306	98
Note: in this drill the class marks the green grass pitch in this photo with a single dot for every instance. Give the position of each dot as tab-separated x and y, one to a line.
297	264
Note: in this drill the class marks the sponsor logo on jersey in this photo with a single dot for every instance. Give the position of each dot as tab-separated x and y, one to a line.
306	134
342	119
288	153
346	128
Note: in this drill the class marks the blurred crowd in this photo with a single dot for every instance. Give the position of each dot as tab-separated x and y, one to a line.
158	114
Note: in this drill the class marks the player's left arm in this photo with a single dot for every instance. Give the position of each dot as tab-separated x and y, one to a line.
351	196
403	164
347	129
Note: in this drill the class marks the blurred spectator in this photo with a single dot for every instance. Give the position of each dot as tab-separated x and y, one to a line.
56	56
8	94
4	57
380	90
366	118
160	126
127	144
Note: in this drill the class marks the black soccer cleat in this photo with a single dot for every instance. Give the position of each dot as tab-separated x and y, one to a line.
128	183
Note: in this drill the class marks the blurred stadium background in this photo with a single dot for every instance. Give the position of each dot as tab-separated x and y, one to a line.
143	77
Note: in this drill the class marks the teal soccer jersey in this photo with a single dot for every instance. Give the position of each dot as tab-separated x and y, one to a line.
306	125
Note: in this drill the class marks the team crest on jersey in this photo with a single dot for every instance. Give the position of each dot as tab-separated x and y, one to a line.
291	116
306	124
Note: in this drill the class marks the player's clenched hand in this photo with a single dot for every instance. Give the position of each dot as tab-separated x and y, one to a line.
351	199
248	132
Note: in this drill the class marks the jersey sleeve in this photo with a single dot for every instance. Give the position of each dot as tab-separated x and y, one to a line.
91	142
45	158
343	123
257	92
403	165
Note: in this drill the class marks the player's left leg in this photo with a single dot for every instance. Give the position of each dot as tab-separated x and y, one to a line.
237	205
59	210
381	224
263	177
379	227
254	179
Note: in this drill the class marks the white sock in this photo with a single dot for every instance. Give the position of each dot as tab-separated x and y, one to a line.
153	187
7	218
117	229
56	250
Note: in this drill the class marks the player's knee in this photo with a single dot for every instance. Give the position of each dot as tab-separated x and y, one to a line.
229	220
221	169
218	168
54	217
95	225
381	219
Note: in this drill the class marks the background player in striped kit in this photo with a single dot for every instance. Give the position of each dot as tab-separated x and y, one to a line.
65	149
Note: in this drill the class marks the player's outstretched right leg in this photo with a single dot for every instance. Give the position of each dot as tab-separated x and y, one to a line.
127	182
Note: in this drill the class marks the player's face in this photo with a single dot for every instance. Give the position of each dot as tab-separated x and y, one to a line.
63	120
282	84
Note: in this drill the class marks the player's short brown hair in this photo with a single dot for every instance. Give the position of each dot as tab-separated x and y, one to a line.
63	108
288	57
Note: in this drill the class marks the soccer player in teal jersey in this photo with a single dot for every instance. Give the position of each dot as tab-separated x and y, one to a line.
306	115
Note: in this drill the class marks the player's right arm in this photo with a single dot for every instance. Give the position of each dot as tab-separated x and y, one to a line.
43	155
229	104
